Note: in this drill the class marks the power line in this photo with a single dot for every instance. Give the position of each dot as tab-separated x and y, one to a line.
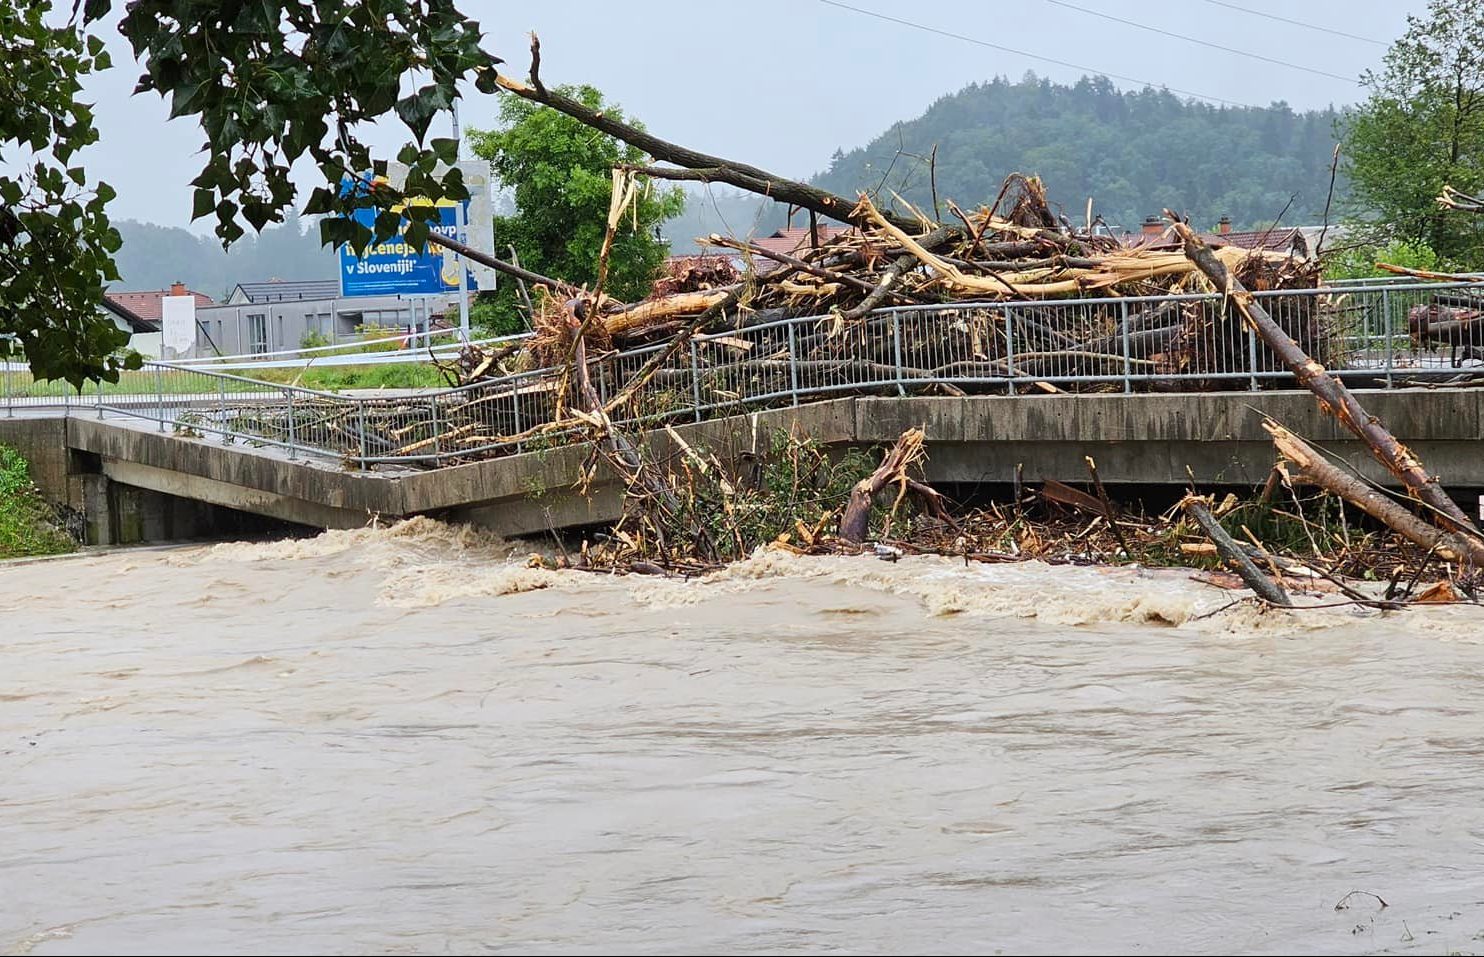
1033	56
1298	23
1204	43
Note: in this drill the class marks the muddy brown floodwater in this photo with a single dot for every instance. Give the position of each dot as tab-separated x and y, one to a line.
404	741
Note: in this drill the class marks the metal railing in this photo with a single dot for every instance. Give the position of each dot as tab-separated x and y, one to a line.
1157	343
413	347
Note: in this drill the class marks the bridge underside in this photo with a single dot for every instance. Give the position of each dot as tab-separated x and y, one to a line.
1135	439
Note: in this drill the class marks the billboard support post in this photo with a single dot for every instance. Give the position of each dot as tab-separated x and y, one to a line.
463	236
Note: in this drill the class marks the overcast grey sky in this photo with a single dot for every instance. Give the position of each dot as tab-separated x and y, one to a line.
782	83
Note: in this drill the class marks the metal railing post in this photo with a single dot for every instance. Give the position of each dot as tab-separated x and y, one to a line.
1251	359
437	433
160	396
896	348
221	404
1009	351
793	361
99	409
361	428
1128	366
293	426
9	402
1386	325
695	378
515	409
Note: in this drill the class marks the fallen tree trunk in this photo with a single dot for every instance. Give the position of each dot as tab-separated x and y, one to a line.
1313	469
1234	555
752	249
741	175
500	265
1332	394
1451	325
642	315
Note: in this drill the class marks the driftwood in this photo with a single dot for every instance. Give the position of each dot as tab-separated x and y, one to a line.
907	453
1461	201
1313	469
1332	394
1233	554
1461	328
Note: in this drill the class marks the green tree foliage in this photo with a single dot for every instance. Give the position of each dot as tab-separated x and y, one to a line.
1422	127
56	243
1134	153
272	82
560	176
1359	261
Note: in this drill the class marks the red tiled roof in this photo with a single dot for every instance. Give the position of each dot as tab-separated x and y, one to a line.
788	241
146	305
1275	240
785	241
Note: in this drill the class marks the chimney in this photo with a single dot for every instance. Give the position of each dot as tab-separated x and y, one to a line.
1153	226
178	289
1224	225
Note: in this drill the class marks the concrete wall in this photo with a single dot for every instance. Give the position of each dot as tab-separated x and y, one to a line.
44	444
110	509
1161	439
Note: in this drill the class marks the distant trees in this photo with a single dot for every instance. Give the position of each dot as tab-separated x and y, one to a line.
1133	152
1421	128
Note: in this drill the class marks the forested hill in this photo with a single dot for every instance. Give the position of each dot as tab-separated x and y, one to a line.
1134	153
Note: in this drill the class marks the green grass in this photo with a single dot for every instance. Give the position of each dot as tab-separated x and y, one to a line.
27	525
407	375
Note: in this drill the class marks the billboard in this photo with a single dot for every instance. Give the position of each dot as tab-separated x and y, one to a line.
177	325
395	267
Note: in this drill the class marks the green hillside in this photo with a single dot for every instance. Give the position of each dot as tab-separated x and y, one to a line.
1134	153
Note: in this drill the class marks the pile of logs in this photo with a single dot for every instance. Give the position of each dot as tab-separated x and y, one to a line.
1000	253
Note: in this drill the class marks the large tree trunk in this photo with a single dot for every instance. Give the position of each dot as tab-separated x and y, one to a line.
1314	470
1332	394
715	168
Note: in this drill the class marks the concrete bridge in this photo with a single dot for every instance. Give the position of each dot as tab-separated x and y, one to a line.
129	482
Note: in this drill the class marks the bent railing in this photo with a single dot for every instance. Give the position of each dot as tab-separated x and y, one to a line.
1157	343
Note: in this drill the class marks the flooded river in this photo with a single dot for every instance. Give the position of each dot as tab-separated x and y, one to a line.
397	741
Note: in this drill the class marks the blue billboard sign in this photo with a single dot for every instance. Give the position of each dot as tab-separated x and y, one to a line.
396	267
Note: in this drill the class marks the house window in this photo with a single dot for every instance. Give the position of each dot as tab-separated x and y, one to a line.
257	334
